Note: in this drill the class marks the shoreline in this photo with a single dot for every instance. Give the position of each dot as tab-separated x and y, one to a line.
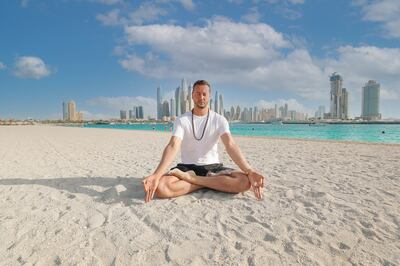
266	137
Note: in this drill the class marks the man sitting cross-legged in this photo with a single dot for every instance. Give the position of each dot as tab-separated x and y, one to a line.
197	134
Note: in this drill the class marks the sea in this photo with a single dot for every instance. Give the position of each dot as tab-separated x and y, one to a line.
374	133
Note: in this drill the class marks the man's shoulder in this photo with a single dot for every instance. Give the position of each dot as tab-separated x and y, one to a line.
218	117
184	117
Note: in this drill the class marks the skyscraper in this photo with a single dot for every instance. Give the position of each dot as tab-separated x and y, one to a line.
139	112
221	105
65	111
132	113
166	109
184	97
178	101
339	98
320	112
71	111
190	90
370	101
216	103
122	114
172	107
238	111
159	104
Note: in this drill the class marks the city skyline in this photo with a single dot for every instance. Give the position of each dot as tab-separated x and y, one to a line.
113	54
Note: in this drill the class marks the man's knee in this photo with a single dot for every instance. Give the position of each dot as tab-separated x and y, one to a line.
243	182
163	191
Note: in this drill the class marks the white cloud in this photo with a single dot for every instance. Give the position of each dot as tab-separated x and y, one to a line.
253	16
220	46
188	4
115	104
147	12
384	11
111	18
255	56
2	66
31	67
226	52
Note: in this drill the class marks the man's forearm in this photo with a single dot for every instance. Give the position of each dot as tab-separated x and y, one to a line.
236	154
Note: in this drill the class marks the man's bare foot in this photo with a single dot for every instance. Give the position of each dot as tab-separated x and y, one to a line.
189	176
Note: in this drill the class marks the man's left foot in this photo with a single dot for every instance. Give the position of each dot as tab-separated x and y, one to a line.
189	176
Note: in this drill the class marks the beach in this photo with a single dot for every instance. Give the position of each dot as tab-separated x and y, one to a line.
73	196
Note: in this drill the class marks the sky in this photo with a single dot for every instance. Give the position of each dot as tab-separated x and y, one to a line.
108	55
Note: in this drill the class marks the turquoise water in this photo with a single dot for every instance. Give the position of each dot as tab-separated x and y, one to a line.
365	133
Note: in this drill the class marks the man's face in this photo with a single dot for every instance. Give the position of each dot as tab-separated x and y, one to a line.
201	96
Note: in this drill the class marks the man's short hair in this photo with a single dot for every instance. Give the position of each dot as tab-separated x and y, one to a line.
202	82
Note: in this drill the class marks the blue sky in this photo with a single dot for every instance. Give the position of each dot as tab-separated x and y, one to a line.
109	55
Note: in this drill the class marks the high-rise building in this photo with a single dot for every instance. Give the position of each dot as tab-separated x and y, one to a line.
178	101
320	112
216	103
232	114
71	111
370	101
221	104
159	104
65	111
165	109
286	110
122	114
132	113
172	107
255	114
190	98
238	113
139	112
339	98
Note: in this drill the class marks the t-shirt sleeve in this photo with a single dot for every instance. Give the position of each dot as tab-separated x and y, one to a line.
178	129
223	126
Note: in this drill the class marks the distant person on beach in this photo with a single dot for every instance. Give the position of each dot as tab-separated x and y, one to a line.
197	134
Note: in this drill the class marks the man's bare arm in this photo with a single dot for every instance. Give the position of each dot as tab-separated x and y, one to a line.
168	156
255	178
150	183
235	153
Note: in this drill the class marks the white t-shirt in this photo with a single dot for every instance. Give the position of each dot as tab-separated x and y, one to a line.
204	151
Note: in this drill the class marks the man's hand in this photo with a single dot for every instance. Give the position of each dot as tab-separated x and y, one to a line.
257	183
150	185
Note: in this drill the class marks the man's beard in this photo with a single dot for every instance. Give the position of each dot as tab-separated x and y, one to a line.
201	107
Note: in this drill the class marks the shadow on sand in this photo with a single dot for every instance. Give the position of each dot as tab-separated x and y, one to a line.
128	191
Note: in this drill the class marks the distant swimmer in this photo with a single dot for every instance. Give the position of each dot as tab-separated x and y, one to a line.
383	131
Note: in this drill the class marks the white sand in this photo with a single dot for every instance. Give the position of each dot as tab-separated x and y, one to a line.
74	196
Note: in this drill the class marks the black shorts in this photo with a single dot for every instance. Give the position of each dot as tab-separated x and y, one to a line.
205	170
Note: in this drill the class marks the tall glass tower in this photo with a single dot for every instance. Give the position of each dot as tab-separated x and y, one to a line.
370	101
159	104
339	98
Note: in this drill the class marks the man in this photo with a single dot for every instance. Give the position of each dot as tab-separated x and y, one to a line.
197	133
